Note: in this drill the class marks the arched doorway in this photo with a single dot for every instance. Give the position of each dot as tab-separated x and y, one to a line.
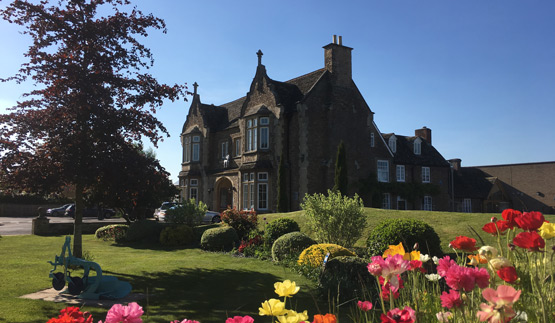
224	194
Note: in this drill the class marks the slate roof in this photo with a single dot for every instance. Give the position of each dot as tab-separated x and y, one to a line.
470	182
405	155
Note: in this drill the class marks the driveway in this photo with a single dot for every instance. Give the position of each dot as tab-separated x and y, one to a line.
17	226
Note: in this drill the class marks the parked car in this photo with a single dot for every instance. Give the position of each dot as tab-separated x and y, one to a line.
91	212
57	211
209	216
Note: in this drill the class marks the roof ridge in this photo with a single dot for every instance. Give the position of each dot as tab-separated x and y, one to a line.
304	75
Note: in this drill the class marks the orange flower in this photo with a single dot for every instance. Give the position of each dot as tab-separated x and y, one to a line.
474	260
328	318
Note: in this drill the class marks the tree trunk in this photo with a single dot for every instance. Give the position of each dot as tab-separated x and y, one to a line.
78	223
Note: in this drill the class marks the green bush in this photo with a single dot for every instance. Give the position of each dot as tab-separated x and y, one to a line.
189	213
335	218
346	278
219	239
144	230
314	255
242	221
409	232
116	232
198	231
177	236
290	245
279	227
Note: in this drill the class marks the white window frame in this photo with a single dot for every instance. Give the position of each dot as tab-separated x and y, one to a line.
427	203
400	172
262	191
393	144
224	149
426	175
193	189
248	191
418	146
467	206
383	171
372	140
386	201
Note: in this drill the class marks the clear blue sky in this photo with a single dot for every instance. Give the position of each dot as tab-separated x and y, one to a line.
480	74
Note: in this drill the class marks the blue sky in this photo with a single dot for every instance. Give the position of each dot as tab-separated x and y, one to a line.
480	74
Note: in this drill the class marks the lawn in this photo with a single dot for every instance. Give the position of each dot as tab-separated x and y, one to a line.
186	283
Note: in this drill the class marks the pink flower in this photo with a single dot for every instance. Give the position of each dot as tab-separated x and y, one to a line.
191	321
444	264
388	289
389	268
499	308
481	276
239	319
364	306
376	266
125	314
451	299
460	278
406	315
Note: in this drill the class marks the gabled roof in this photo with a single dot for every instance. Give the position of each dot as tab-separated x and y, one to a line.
470	182
405	155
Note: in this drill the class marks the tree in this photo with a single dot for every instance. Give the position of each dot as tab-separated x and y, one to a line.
283	201
341	182
93	98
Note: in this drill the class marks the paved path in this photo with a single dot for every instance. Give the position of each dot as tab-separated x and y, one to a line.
18	226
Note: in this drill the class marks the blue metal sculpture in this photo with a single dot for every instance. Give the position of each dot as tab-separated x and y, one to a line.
86	287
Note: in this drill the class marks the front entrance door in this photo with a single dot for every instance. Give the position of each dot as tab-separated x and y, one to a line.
225	194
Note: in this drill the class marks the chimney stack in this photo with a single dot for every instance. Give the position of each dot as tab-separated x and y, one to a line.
338	61
455	163
424	133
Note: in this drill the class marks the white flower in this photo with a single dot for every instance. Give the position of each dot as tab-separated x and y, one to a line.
433	277
488	252
435	260
424	258
499	262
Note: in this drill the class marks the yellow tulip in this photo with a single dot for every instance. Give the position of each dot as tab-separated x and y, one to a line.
286	289
547	231
272	307
394	250
293	317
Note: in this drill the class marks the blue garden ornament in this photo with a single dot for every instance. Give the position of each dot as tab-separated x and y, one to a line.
86	287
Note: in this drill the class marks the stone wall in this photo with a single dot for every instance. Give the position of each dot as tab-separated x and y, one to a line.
43	227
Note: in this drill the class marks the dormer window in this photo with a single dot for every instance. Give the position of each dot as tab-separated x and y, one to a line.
393	143
418	146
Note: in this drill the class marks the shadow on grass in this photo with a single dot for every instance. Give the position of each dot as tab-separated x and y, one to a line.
209	295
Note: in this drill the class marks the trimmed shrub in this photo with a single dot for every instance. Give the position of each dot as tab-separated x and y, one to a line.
314	255
177	236
335	218
346	278
219	239
115	232
242	221
198	231
409	232
290	245
144	230
190	213
279	227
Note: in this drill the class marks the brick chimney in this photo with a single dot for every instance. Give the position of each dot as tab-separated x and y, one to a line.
455	163
424	133
338	61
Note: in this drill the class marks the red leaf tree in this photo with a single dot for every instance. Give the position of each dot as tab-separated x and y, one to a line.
93	98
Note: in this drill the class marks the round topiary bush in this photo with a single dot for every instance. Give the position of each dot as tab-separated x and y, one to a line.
219	239
347	278
407	231
279	227
290	245
116	232
314	255
176	236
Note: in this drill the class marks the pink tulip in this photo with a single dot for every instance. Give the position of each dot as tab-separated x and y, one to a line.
364	306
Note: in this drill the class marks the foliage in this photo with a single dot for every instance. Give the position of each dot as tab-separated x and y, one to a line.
412	191
314	255
341	180
335	218
189	213
345	278
115	232
290	245
253	245
279	227
31	199
198	230
177	236
242	221
144	230
283	200
408	231
96	101
219	239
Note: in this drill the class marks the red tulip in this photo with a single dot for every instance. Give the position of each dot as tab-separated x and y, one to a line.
509	215
508	274
464	243
530	221
496	228
529	240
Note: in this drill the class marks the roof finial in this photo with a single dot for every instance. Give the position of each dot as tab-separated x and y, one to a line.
259	54
195	85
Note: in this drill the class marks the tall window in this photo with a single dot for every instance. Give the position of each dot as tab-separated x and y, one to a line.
383	171
467	205
246	191
264	133
187	149
393	143
427	203
237	147
386	202
224	149
400	173
252	134
262	191
372	143
251	191
417	146
425	174
193	190
196	148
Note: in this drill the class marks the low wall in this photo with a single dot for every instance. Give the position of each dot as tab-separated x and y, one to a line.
22	210
43	227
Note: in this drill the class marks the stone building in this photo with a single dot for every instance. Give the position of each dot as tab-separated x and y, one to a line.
231	152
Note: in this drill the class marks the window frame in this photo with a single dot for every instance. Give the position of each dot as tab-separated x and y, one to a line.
417	146
386	201
402	172
383	171
467	205
426	174
427	203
